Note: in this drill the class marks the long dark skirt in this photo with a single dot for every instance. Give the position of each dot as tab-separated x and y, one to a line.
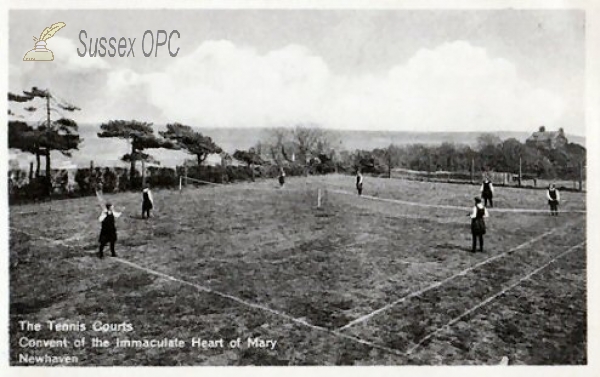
281	180
146	205
107	237
478	227
553	205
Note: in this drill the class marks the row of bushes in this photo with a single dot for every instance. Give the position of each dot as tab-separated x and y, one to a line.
85	181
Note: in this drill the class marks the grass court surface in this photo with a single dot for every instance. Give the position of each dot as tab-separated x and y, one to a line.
386	279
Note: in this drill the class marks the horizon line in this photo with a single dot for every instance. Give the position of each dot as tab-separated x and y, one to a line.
349	130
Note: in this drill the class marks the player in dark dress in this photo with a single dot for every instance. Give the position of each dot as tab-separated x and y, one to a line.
553	199
359	182
281	177
487	192
108	232
147	203
478	229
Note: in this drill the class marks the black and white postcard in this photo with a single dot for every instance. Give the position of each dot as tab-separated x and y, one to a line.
299	184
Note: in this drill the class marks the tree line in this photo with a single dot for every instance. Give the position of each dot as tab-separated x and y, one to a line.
490	154
301	150
42	136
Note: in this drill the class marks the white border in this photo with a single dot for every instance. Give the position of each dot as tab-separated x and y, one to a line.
592	8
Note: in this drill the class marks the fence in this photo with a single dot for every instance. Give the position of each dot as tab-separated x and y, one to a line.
497	178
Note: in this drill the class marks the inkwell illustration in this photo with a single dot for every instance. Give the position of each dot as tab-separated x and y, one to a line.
40	52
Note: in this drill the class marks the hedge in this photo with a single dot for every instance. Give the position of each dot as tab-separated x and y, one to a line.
23	189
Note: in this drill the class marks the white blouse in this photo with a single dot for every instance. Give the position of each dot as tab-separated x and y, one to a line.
480	206
557	195
149	195
105	213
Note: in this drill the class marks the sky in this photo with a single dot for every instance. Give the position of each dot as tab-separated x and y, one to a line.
403	70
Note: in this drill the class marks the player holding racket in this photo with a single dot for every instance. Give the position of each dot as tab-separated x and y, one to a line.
108	232
478	229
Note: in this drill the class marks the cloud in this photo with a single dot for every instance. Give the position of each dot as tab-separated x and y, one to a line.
224	85
453	87
123	79
65	53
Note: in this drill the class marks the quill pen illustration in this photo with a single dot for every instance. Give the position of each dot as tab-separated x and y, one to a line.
40	52
50	31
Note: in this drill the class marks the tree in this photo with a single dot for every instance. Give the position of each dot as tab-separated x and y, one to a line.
140	136
60	135
309	141
488	148
192	141
140	156
276	142
21	136
278	145
488	140
250	157
445	156
303	144
511	150
382	159
419	157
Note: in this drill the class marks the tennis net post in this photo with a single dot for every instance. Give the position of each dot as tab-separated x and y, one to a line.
319	198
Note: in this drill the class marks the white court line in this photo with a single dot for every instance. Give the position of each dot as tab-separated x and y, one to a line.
491	298
197	286
299	321
260	307
426	205
367	343
444	281
220	294
238	300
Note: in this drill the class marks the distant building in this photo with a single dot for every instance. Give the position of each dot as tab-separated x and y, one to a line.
548	139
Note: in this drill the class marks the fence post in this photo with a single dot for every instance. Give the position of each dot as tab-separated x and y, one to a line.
92	176
143	173
472	170
428	167
117	187
520	171
319	199
580	176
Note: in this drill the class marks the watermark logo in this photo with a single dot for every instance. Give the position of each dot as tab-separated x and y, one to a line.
124	47
40	53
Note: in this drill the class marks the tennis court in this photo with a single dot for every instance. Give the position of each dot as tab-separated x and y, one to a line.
383	279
